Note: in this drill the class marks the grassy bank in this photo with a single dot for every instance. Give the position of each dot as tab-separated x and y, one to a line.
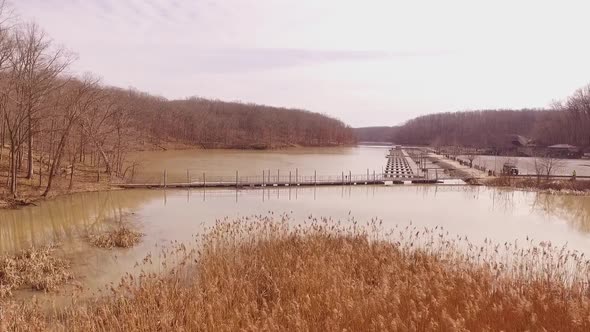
260	273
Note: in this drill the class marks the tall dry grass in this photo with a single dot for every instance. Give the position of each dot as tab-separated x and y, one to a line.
577	186
34	268
122	236
263	273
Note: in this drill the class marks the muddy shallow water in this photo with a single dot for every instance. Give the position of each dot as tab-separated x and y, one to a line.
176	215
224	163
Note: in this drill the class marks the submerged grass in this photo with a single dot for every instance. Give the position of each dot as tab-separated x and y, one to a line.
120	237
37	269
264	273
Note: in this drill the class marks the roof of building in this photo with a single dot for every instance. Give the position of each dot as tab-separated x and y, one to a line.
521	140
562	146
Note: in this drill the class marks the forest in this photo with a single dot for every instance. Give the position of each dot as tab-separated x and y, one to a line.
375	134
566	122
53	122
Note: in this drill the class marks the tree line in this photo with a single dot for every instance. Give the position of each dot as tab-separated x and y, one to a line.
52	121
218	124
567	121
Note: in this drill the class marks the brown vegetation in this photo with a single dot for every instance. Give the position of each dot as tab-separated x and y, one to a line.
37	269
539	183
261	274
120	237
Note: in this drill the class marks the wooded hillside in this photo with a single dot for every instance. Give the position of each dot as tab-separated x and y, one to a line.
474	128
50	120
212	123
566	122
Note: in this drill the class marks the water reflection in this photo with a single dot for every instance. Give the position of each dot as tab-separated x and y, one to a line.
196	165
574	209
476	212
176	214
66	218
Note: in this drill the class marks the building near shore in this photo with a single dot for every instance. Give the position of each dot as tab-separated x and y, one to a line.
564	151
521	146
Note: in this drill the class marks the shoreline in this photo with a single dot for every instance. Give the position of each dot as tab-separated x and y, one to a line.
7	203
548	186
30	194
10	204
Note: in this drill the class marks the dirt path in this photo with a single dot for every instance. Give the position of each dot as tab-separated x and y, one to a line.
464	171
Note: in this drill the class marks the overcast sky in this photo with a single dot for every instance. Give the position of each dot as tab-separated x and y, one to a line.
364	62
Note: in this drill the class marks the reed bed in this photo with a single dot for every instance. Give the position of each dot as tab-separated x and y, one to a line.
268	273
562	186
34	268
120	237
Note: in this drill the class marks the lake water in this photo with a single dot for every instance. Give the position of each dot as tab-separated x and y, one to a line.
176	215
224	163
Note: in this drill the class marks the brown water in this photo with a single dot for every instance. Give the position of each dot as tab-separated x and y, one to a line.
224	163
166	216
175	215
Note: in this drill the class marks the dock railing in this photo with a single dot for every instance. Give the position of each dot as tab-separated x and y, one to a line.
266	178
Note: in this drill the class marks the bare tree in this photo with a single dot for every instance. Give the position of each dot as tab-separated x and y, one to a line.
36	67
78	98
578	108
471	155
546	166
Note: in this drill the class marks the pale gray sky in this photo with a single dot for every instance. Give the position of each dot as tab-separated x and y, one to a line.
367	62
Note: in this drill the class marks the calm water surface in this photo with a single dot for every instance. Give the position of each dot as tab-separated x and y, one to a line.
166	216
219	163
175	215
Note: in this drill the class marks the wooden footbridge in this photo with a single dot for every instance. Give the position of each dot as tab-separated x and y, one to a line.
400	169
